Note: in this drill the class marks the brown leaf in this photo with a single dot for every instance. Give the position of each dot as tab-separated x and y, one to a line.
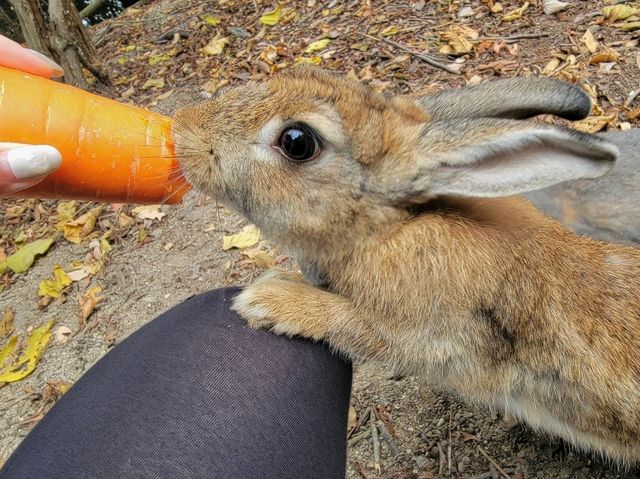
515	14
6	324
594	124
607	55
88	303
589	41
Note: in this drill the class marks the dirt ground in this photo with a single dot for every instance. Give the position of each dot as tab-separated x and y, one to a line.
157	263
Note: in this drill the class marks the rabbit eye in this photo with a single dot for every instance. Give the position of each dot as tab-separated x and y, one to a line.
299	143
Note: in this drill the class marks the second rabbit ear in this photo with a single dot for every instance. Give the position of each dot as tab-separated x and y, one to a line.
515	98
492	158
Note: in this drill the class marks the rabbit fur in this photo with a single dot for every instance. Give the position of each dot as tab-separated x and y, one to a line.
417	254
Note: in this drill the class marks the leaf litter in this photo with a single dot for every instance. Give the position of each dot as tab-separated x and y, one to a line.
483	40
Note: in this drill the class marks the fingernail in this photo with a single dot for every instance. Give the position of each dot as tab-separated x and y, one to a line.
33	161
57	69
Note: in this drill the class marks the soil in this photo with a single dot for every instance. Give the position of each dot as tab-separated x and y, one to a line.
156	264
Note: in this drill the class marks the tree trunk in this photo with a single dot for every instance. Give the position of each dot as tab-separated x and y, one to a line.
61	36
92	8
9	24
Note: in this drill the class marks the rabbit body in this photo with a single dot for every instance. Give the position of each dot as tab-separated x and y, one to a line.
416	254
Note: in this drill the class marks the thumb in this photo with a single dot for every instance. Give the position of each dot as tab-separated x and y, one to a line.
22	166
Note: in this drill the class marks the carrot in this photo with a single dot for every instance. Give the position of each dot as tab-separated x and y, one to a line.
110	151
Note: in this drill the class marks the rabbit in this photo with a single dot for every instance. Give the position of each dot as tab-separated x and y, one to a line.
607	208
415	250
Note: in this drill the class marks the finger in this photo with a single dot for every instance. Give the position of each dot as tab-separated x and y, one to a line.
13	55
26	166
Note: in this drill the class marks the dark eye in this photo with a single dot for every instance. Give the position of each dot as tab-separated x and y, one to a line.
299	143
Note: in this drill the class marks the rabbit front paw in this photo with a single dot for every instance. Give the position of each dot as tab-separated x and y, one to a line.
276	302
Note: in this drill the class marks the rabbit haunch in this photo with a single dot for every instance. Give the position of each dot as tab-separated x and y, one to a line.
416	254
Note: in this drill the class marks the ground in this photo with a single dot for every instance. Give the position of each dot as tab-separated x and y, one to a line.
155	57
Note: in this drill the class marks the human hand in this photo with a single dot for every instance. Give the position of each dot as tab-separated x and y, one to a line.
22	166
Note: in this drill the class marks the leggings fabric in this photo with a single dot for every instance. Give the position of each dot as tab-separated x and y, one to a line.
196	393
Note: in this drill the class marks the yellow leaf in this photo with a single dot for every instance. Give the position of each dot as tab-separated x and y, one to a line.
458	37
551	66
261	258
496	8
211	20
629	26
66	211
105	246
75	230
314	60
389	31
316	46
515	14
153	83
249	236
619	12
8	349
53	287
593	124
272	17
6	324
26	363
216	46
21	260
589	41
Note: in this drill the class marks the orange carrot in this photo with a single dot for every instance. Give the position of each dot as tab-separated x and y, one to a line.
110	151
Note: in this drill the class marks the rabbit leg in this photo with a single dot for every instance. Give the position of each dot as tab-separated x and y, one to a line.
283	302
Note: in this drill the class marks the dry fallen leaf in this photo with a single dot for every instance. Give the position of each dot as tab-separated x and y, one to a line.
89	302
216	46
211	20
21	260
389	31
248	237
260	258
619	12
589	41
153	83
76	230
458	38
550	7
6	323
607	55
314	60
629	26
594	124
352	418
62	334
551	66
148	212
273	17
26	362
54	287
515	14
317	46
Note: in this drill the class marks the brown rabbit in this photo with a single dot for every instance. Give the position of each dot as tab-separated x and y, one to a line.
415	252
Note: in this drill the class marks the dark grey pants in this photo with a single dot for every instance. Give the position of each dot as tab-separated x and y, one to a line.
197	394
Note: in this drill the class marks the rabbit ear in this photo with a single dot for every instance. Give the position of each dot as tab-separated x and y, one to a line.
515	98
491	158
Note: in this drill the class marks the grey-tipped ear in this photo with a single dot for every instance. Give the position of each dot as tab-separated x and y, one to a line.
515	98
492	158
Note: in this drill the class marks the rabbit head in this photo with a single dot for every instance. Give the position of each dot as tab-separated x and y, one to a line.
314	157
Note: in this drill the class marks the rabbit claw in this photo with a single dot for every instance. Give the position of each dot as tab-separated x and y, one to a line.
267	303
